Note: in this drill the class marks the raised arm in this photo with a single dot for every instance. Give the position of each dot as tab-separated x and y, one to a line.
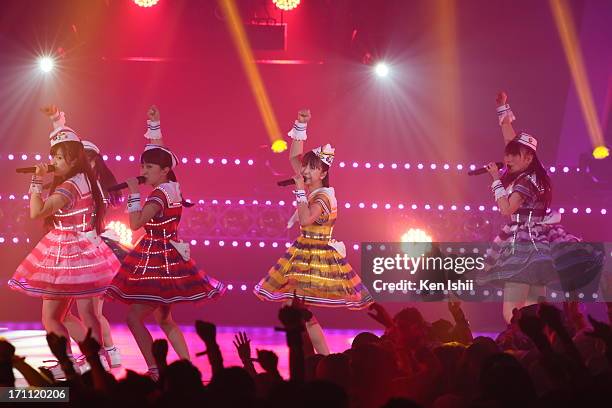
298	135
154	134
505	115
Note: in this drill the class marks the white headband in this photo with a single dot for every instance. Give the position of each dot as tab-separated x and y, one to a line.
63	134
527	140
90	146
165	149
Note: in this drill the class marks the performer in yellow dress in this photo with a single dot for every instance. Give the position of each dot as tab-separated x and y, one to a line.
315	266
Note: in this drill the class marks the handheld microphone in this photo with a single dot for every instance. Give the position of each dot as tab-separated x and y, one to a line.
121	186
483	170
287	182
25	170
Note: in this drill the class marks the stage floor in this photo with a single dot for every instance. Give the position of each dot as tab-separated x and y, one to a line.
29	341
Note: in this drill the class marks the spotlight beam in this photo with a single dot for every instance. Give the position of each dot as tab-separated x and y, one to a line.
258	89
573	53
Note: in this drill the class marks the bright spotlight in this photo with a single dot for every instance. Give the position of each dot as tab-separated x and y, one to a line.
46	64
286	5
416	235
416	242
601	152
279	146
145	3
381	69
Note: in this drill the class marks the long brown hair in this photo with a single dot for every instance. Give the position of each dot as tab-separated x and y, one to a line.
75	153
105	176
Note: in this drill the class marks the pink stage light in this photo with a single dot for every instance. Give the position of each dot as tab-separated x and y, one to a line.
146	3
286	5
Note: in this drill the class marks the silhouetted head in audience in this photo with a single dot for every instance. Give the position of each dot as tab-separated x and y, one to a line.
323	394
335	368
232	387
503	378
181	377
365	338
412	330
441	330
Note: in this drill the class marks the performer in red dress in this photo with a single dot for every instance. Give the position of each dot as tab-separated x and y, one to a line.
159	272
